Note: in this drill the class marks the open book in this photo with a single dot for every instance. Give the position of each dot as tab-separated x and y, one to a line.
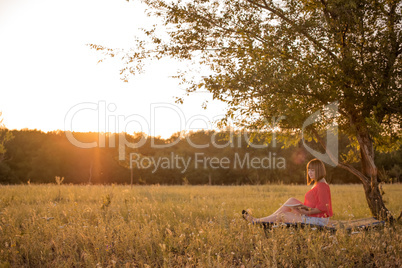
294	205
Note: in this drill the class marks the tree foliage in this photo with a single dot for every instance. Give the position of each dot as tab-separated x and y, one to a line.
5	136
273	58
290	57
38	157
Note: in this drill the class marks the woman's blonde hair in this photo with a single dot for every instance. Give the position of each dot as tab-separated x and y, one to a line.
319	170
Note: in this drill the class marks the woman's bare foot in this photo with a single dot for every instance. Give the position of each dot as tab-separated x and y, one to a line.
248	217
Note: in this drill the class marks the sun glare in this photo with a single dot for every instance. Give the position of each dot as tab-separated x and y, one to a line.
47	69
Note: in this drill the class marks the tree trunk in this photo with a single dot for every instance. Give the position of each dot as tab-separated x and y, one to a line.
369	178
368	175
131	177
90	172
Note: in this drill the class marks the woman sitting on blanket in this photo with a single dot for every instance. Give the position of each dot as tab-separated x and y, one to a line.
316	208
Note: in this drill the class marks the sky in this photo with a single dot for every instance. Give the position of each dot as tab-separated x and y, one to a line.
50	79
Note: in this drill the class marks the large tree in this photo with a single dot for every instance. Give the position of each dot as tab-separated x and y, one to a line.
292	58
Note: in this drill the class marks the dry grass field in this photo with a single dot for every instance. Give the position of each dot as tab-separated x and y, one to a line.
183	226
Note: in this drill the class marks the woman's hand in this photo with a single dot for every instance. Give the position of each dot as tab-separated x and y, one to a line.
302	210
307	210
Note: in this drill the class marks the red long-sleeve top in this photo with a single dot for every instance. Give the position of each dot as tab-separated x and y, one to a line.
319	197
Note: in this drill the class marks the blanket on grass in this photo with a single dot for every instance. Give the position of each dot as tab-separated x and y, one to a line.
333	225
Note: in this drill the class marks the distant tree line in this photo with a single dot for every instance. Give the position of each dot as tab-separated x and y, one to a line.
203	157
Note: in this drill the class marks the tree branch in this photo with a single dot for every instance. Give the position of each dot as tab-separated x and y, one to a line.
297	28
348	167
218	25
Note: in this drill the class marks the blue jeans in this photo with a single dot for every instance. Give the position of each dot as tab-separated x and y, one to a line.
314	220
